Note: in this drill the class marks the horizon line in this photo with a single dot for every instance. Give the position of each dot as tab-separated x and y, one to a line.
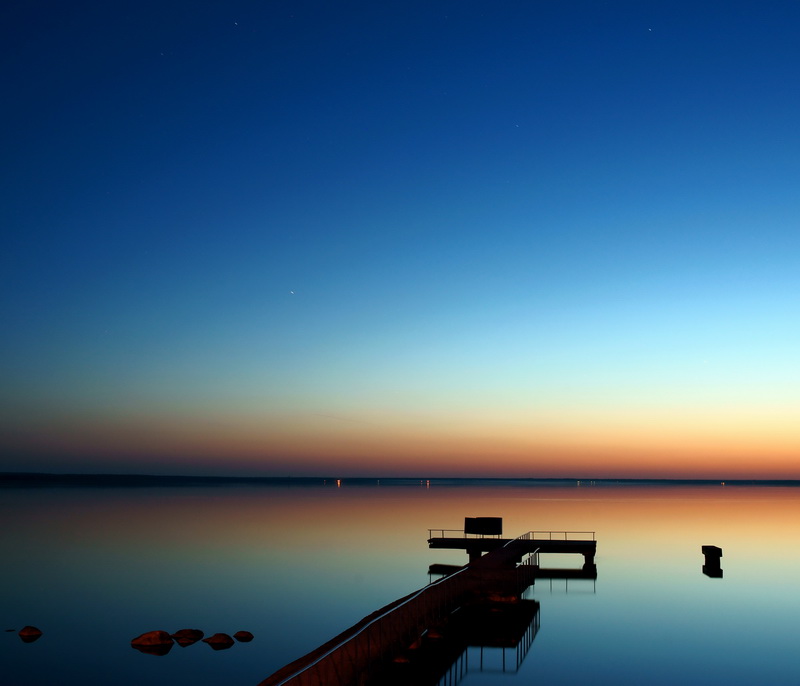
153	479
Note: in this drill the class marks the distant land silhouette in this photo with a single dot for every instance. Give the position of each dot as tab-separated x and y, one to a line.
33	479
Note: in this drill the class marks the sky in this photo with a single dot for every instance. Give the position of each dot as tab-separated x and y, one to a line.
428	238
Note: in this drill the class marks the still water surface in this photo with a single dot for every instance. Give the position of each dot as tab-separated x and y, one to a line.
94	568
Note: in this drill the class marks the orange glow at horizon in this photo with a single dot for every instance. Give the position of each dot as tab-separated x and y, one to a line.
635	443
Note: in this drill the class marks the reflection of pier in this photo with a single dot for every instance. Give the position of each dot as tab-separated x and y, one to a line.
428	635
483	636
495	646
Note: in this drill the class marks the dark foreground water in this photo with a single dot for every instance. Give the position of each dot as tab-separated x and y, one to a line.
94	567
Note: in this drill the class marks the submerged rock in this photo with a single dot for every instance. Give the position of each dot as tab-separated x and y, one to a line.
219	641
186	637
29	634
243	636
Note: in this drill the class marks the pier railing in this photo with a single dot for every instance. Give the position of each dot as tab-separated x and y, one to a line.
529	536
457	533
558	536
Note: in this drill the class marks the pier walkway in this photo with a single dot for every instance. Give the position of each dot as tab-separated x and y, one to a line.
419	634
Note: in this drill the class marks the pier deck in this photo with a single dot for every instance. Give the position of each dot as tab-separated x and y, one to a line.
530	543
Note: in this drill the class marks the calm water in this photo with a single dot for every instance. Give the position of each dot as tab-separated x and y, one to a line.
93	568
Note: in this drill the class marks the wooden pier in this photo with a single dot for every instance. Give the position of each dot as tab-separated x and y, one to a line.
424	636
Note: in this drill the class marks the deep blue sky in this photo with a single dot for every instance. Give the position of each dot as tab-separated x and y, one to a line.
274	236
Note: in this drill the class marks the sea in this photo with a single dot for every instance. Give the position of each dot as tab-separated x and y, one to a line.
95	562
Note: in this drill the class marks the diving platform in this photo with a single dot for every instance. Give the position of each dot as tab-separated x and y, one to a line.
533	542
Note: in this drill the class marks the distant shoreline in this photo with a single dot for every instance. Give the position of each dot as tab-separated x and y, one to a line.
38	479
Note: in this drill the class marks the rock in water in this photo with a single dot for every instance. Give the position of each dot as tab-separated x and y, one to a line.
29	634
153	643
185	637
219	641
243	636
152	638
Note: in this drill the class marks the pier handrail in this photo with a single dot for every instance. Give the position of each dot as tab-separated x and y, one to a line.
441	534
528	536
557	535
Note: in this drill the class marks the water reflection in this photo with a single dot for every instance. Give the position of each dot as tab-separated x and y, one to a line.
159	649
298	565
499	643
481	637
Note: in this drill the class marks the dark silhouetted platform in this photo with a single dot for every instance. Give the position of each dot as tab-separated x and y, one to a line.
542	542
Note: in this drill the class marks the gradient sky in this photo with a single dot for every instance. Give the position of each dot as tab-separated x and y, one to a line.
523	238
